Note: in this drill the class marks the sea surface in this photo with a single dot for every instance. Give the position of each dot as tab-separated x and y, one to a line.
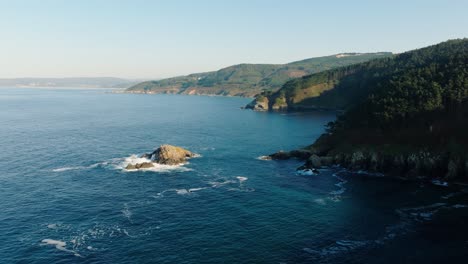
65	196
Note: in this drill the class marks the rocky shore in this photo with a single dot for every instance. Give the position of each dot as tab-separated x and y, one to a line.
407	164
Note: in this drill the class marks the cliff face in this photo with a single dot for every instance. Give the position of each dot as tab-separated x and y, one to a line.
259	104
294	95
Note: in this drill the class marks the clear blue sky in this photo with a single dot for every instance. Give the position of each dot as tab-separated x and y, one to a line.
154	39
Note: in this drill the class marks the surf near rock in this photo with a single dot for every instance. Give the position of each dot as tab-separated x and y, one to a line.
165	154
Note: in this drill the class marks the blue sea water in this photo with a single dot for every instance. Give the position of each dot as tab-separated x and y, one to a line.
65	197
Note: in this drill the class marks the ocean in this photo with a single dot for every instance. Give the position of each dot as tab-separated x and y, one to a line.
66	197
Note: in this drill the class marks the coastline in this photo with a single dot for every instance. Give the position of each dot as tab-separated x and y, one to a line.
416	164
179	93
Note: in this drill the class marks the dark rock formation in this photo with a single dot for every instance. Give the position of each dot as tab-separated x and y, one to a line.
406	164
298	154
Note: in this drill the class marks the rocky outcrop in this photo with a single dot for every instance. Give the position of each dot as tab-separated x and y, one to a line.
171	155
165	154
314	161
298	154
403	164
259	104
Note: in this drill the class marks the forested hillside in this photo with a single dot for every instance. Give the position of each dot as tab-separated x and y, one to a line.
407	114
250	79
436	69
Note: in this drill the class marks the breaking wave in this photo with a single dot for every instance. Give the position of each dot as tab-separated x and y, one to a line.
62	169
121	164
60	245
134	159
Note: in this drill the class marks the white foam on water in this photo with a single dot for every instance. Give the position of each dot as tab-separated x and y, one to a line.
264	158
80	240
306	172
68	169
440	183
126	212
340	185
241	189
92	166
127	234
60	245
220	184
197	189
52	226
121	164
134	159
57	243
182	191
460	206
242	179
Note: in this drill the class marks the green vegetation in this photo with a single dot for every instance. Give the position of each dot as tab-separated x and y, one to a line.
431	76
408	113
250	79
414	97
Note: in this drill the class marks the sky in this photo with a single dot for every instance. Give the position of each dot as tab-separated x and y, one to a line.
144	39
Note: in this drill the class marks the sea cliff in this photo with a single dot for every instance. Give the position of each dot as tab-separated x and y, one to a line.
405	116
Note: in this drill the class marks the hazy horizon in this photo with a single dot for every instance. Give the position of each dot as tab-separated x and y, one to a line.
140	40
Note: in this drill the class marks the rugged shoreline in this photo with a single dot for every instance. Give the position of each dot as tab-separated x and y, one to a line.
406	164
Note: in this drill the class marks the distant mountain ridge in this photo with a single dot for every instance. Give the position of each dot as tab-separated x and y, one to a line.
250	79
83	82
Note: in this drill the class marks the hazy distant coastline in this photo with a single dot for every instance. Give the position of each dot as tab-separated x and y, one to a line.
76	82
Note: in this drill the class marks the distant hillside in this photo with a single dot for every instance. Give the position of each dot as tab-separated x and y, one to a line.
250	79
83	82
